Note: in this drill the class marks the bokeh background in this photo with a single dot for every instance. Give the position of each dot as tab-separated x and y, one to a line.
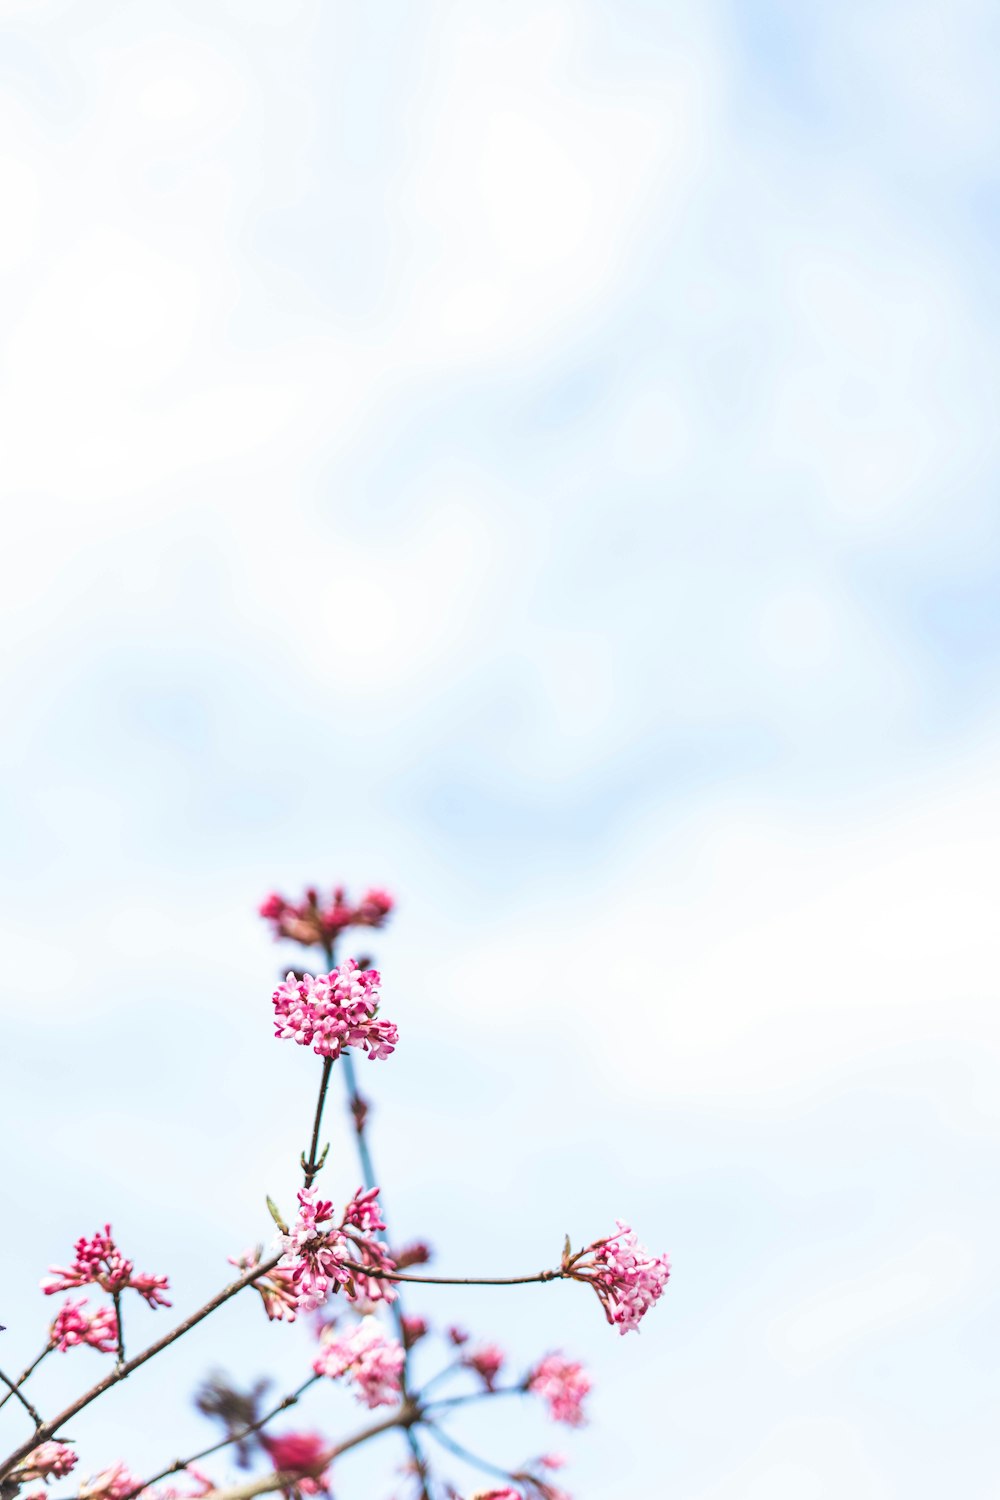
539	457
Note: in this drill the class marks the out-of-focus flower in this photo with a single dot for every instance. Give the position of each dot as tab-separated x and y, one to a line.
318	920
300	1454
417	1254
47	1461
325	1255
98	1261
626	1277
204	1485
368	1356
239	1411
562	1384
110	1484
278	1289
414	1328
72	1325
487	1361
330	1012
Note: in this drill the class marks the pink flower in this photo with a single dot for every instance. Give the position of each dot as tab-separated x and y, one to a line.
317	920
301	1454
487	1361
98	1261
332	1011
458	1336
324	1255
111	1484
47	1461
627	1279
562	1384
72	1325
278	1289
366	1354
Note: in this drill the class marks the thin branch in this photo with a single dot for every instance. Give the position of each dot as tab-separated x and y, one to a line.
447	1441
454	1280
25	1373
312	1166
448	1401
236	1437
12	1388
121	1372
117	1298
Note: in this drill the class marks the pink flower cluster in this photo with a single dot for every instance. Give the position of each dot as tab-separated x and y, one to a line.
98	1261
333	1011
368	1356
72	1325
47	1461
299	1453
627	1279
562	1384
325	1256
321	920
278	1289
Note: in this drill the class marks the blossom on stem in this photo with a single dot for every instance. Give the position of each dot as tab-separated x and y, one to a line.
110	1484
329	1012
487	1361
47	1461
562	1385
98	1261
317	920
72	1325
325	1255
299	1453
626	1277
371	1359
278	1289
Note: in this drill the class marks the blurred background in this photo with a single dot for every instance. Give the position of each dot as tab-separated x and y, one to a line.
540	458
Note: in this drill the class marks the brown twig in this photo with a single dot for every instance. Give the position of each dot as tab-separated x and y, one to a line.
12	1388
25	1373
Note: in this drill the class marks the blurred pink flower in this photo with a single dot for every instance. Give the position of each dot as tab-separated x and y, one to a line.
562	1385
487	1361
368	1356
298	1453
317	920
110	1484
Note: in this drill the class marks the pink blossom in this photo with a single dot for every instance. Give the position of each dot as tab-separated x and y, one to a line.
299	1453
487	1361
627	1279
371	1359
325	1255
111	1484
72	1325
318	920
47	1461
562	1385
278	1289
332	1011
98	1261
418	1253
458	1336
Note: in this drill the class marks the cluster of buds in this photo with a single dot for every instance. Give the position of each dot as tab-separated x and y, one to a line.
325	1256
318	920
47	1461
487	1361
626	1277
99	1262
330	1012
75	1324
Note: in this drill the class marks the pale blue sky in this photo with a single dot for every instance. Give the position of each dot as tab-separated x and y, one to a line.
540	458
